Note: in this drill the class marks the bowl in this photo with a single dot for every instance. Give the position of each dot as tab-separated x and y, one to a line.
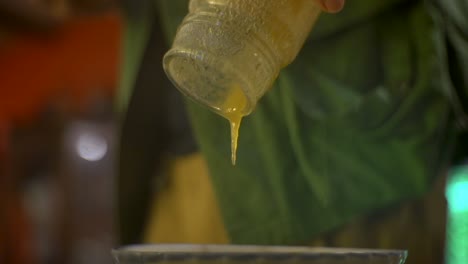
246	254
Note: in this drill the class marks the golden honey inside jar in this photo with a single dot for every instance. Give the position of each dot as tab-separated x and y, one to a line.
227	53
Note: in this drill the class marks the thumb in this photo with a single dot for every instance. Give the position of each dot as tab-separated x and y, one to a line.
332	6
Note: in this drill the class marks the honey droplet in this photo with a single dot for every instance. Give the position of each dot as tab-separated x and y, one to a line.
232	110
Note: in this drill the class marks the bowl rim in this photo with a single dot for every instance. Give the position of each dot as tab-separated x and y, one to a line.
180	252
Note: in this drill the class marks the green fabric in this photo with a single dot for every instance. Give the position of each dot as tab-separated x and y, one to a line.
358	122
451	39
136	150
136	32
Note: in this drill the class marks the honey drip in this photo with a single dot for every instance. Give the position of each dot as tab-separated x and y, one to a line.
232	110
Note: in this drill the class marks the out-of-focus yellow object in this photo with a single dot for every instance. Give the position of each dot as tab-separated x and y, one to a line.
186	210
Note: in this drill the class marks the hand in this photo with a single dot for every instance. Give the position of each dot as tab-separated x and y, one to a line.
331	6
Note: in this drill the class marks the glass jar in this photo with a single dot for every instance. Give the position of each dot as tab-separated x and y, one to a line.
227	53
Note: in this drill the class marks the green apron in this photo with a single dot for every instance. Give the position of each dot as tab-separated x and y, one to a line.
363	119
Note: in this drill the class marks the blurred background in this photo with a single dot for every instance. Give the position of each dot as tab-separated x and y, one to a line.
60	124
59	63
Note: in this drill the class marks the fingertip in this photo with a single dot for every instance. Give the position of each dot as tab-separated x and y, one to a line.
333	6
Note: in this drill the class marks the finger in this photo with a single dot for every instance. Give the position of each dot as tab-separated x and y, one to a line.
332	6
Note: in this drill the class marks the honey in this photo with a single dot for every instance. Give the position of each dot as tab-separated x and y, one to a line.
232	109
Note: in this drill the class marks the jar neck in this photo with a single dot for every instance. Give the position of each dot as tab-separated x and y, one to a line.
246	51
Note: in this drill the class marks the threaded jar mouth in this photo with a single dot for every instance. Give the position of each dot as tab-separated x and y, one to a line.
208	58
206	79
